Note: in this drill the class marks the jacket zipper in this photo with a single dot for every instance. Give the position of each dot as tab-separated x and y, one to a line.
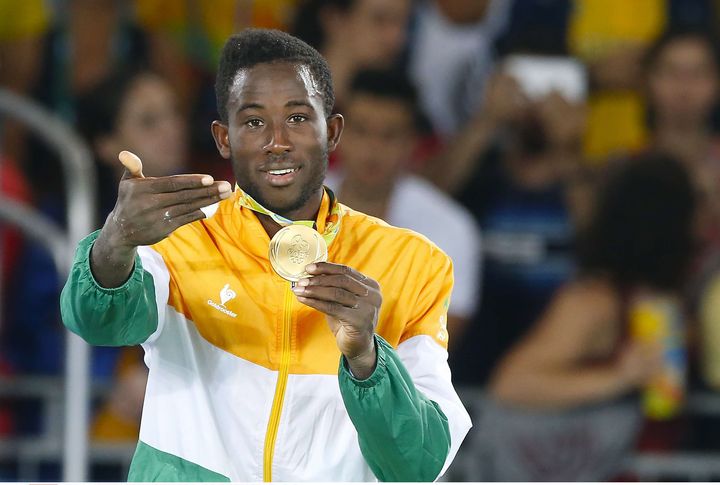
274	421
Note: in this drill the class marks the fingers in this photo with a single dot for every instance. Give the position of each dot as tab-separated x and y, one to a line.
340	291
176	183
132	164
333	309
178	209
186	218
345	281
216	191
329	294
316	269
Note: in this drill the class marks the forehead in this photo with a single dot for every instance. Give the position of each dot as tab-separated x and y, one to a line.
276	82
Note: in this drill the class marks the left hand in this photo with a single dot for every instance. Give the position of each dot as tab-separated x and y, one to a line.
564	121
351	302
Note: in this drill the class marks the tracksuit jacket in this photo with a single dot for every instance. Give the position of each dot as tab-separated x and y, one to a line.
247	384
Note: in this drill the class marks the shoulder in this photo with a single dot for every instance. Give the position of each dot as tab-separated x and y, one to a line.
594	297
397	243
416	197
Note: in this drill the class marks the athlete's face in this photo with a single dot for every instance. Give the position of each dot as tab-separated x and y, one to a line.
278	137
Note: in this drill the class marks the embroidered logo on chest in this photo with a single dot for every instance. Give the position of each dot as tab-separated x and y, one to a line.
226	294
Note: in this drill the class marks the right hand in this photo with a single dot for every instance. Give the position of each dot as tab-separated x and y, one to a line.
503	100
639	362
149	209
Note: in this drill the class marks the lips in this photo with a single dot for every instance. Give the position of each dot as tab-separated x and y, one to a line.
280	177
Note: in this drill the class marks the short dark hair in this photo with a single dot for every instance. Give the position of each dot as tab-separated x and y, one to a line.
393	85
641	231
257	46
384	83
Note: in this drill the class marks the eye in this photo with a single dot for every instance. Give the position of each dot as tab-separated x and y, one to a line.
297	118
254	123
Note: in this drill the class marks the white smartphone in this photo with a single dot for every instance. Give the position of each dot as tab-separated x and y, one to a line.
538	76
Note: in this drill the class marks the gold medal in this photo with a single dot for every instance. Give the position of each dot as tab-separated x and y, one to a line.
294	247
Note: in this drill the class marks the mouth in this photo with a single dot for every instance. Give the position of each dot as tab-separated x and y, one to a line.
281	177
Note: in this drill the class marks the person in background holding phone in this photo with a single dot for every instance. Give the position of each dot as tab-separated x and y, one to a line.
516	166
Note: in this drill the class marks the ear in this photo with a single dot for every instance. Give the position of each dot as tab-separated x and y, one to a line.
335	126
221	136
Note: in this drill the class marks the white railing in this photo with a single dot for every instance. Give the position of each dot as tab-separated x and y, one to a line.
79	175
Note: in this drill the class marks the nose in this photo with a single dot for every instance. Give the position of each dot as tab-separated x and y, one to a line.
279	141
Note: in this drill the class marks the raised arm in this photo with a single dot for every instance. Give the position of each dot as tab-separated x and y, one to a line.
553	368
111	296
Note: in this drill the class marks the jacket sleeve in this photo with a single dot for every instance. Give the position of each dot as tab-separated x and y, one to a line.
403	435
409	419
128	315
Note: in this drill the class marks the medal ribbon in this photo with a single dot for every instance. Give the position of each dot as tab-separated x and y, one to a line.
329	214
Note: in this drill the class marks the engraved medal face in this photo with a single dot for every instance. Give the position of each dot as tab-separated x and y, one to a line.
293	248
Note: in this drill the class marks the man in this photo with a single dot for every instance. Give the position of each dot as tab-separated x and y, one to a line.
378	138
252	378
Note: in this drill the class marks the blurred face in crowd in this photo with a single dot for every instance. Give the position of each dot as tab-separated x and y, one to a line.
379	138
374	29
150	125
278	136
683	82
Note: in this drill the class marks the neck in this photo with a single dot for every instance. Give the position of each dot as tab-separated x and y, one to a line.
308	212
685	142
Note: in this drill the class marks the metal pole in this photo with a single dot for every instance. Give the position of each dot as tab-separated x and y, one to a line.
79	173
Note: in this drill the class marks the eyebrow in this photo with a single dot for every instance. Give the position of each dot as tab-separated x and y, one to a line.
299	102
291	103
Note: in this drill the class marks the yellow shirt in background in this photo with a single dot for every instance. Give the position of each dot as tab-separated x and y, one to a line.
22	19
616	119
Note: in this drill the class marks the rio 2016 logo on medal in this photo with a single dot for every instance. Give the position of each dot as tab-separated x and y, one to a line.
293	248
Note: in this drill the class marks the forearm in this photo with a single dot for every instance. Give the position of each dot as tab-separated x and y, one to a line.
110	262
403	435
454	164
541	388
124	315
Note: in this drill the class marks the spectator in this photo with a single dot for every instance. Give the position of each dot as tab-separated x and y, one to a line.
135	110
563	403
612	36
380	133
683	81
354	35
515	167
451	57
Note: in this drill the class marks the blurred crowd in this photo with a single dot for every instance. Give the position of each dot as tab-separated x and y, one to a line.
564	153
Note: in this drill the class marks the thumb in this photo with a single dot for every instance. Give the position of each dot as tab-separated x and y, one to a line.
132	164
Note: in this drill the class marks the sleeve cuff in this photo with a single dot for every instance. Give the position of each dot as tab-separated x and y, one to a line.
380	366
83	257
